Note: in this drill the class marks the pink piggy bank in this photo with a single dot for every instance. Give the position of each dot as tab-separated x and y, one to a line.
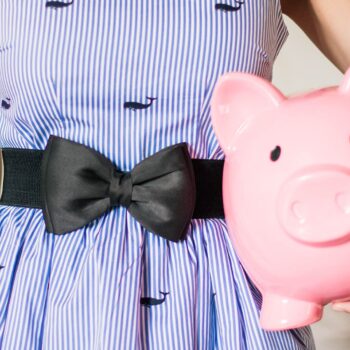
286	192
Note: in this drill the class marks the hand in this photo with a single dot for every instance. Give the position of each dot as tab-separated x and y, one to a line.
341	306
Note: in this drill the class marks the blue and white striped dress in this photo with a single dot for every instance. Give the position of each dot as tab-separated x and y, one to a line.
67	68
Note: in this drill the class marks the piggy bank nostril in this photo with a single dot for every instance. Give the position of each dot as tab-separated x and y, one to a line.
343	201
298	211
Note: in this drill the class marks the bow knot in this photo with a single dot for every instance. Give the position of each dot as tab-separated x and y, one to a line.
120	188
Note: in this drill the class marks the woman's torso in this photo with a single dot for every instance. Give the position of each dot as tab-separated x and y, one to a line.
69	70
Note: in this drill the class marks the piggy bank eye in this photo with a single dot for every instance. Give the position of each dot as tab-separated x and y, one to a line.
275	154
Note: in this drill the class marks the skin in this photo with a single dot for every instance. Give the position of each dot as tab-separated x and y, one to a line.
325	22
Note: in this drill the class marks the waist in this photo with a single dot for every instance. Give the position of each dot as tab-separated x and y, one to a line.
22	183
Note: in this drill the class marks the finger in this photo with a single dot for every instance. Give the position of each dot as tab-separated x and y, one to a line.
341	307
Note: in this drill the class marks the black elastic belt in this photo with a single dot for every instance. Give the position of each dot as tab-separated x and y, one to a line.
22	175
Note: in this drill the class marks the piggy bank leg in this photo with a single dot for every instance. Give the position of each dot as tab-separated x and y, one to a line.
278	312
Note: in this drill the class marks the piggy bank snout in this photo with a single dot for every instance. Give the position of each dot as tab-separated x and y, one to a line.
314	205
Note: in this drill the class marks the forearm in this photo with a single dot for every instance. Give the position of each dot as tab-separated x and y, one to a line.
326	22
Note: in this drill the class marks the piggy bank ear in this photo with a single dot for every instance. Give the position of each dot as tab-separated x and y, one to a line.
236	99
345	84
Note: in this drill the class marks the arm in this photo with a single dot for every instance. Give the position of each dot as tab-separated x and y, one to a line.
326	23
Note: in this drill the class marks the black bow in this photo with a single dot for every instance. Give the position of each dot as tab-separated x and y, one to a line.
78	184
